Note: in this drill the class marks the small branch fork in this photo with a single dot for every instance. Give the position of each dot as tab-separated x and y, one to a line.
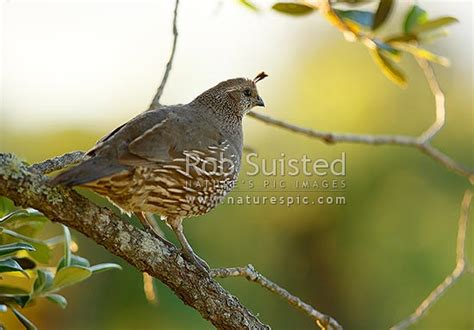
422	143
156	100
460	269
249	272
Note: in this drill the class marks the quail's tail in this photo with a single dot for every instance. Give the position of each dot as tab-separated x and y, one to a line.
87	171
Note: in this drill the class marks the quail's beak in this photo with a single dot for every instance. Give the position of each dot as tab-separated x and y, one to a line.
260	102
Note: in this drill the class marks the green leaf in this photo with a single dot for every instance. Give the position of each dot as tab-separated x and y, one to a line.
415	16
434	24
11	215
292	8
401	37
382	13
421	53
388	68
248	4
6	206
42	252
3	308
69	276
103	267
14	247
10	294
363	18
44	280
67	246
75	261
10	265
57	299
22	318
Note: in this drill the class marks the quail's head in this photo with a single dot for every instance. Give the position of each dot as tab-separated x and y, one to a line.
236	96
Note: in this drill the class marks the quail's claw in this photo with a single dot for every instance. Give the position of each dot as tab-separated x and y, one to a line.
196	260
153	233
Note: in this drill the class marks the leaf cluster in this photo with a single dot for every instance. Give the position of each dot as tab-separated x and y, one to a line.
364	25
23	255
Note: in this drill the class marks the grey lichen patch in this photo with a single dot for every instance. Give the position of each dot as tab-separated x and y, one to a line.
180	260
104	220
147	244
124	240
53	196
11	167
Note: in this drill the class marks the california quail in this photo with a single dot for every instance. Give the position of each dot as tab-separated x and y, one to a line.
178	161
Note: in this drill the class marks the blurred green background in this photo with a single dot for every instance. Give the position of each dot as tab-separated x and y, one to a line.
368	263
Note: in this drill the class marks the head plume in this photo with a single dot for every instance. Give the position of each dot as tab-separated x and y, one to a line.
262	75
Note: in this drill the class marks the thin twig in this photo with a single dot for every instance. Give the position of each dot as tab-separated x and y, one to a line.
156	100
249	272
57	163
438	94
401	140
460	269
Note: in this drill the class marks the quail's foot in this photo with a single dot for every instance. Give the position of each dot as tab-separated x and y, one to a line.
152	232
195	259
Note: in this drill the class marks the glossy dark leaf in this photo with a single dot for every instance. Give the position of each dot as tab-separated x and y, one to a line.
363	18
10	294
414	17
14	247
22	318
434	24
382	13
44	280
292	8
25	263
57	299
10	265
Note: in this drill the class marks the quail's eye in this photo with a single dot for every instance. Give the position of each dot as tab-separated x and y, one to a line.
247	92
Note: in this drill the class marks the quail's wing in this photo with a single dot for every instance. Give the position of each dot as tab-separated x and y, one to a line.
115	142
170	138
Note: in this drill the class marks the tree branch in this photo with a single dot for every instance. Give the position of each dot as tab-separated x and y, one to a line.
460	269
401	140
249	272
156	100
139	248
57	163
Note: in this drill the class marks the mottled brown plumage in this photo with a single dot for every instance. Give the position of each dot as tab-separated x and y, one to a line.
178	161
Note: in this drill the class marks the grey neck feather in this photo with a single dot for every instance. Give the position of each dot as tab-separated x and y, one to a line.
221	108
